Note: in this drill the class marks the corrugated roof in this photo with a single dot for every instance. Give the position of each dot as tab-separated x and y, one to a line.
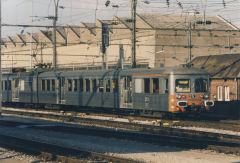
62	32
219	66
91	27
182	21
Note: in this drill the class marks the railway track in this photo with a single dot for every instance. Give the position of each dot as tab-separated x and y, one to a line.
143	133
230	125
56	153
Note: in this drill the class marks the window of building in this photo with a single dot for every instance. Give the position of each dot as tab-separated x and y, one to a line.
87	85
155	85
138	85
227	93
219	93
48	85
81	85
43	85
146	85
101	85
94	85
75	85
108	85
53	85
69	84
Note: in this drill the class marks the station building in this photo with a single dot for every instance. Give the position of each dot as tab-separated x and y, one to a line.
161	41
225	75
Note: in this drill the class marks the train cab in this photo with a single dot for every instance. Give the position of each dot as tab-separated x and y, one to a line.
189	91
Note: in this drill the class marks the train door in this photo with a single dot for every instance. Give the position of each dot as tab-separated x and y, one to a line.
126	92
15	90
61	91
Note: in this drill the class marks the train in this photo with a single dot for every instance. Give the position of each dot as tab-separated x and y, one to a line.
158	90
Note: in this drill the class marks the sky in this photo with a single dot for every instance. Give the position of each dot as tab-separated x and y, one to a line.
72	12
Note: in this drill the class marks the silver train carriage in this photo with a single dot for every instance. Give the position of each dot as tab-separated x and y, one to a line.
174	90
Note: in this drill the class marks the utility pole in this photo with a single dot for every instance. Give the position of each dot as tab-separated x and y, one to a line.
0	57
204	7
121	56
56	2
189	34
31	45
133	12
105	44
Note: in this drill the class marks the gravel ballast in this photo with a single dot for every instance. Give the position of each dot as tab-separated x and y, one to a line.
120	148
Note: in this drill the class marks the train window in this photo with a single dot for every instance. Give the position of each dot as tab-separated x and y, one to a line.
75	85
108	85
146	85
53	85
166	84
182	85
201	85
115	85
94	85
155	85
16	83
138	85
127	83
43	85
81	85
62	82
2	84
69	84
101	85
87	85
34	85
9	85
48	85
21	85
5	84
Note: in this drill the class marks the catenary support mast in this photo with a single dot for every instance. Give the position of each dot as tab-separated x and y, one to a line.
0	57
133	11
56	2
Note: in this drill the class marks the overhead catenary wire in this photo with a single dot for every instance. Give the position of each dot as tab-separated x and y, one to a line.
170	26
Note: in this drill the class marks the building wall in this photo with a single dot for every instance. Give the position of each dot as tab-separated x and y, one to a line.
231	83
156	47
174	45
238	90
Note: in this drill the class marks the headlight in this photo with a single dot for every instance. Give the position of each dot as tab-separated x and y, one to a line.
209	103
179	96
206	96
182	104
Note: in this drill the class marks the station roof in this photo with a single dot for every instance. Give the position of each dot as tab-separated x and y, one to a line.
219	66
182	22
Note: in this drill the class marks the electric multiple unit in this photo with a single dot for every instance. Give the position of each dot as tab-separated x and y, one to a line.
175	90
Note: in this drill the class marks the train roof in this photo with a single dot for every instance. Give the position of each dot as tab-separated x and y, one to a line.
169	70
100	73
